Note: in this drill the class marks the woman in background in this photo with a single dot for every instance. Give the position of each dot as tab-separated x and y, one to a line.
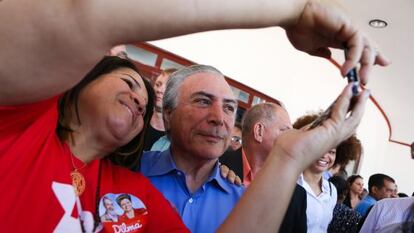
356	189
321	194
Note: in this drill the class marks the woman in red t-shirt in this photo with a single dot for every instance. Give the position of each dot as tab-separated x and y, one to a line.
62	152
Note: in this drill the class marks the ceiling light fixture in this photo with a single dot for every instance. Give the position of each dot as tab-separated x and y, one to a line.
378	23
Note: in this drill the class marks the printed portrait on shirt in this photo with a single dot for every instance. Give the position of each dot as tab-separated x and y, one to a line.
122	213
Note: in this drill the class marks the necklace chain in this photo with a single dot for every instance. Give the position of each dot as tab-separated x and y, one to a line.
73	163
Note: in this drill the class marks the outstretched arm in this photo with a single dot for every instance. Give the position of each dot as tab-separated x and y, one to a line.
262	207
47	46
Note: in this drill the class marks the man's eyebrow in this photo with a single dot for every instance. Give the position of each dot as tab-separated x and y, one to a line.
202	93
211	96
135	81
231	101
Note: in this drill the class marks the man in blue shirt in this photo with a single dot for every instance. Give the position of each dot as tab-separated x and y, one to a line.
199	114
380	186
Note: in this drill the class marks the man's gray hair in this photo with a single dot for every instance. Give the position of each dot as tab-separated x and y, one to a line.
172	90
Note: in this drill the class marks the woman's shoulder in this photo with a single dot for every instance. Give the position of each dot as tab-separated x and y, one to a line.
122	175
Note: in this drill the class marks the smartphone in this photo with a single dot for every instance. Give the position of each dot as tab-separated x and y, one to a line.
352	77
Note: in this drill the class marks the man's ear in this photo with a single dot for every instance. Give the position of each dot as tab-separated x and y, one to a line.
258	131
374	190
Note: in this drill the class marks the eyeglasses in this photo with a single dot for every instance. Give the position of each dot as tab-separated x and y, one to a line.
236	139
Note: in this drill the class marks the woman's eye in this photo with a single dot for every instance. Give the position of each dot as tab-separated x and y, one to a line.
128	82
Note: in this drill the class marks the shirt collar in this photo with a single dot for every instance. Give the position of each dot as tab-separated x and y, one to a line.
216	177
326	188
247	171
370	198
162	163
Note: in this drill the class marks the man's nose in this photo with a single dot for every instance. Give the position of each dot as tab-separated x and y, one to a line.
216	115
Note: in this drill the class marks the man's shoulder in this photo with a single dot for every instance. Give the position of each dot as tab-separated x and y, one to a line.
228	187
154	161
151	155
365	204
368	200
389	204
237	189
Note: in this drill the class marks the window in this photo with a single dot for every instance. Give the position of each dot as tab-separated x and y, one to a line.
257	100
240	94
141	55
168	64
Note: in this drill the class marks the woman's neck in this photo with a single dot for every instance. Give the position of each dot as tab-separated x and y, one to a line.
353	195
157	122
314	180
84	149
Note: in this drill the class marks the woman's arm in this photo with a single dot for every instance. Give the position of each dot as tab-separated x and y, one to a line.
48	46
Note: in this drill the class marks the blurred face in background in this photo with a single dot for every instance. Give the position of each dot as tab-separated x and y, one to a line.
159	89
385	191
357	186
236	138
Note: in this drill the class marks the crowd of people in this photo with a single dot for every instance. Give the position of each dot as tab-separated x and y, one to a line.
78	128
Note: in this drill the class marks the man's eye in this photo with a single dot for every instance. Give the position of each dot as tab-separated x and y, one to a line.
229	108
128	82
202	101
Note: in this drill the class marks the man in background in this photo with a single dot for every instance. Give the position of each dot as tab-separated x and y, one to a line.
380	186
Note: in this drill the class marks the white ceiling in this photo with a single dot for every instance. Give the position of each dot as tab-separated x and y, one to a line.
392	86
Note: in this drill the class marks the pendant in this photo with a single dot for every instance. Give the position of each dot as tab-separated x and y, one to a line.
78	182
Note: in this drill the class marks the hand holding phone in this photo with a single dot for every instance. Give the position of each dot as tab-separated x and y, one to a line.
352	77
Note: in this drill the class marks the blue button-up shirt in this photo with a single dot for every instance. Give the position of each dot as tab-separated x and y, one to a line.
205	209
364	205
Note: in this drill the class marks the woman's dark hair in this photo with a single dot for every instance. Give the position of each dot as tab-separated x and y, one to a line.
352	179
340	185
128	155
122	197
348	150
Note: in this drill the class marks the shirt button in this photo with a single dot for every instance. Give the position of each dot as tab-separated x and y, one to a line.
190	200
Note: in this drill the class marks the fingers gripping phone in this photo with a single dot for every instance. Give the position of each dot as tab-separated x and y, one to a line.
352	77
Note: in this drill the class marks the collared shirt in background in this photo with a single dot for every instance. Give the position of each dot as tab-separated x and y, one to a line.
319	209
365	204
247	171
389	215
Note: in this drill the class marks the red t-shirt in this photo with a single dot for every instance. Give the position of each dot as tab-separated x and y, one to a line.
36	188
